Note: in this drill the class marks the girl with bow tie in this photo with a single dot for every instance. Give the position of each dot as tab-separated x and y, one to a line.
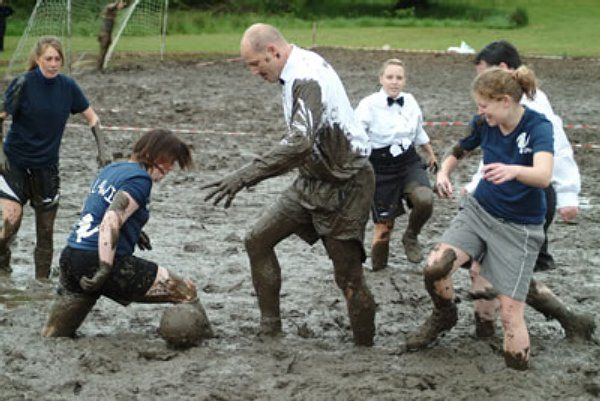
394	122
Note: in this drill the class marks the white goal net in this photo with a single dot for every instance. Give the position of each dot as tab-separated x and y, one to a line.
140	28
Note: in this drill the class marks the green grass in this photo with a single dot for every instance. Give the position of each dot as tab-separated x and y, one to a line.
556	27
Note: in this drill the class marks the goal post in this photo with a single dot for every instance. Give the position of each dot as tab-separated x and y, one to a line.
139	28
140	19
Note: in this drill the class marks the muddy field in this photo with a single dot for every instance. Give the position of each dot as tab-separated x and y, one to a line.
119	355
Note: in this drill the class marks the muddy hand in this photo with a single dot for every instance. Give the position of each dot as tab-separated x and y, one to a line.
225	187
96	282
144	242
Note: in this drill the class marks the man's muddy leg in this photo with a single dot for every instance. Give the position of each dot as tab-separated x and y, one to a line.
347	259
516	337
576	326
260	242
12	214
67	312
42	255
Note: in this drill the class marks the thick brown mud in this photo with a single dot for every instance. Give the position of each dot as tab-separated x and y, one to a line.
119	354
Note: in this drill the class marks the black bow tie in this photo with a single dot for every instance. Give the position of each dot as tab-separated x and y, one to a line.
391	101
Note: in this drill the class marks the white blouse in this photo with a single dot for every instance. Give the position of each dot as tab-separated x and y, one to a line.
388	125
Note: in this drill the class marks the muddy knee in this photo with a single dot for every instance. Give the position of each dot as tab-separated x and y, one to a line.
440	267
421	199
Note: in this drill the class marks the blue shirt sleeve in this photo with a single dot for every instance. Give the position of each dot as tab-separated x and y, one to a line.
12	94
473	140
80	102
139	188
542	137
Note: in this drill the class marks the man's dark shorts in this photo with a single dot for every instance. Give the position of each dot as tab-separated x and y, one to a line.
41	187
324	209
129	281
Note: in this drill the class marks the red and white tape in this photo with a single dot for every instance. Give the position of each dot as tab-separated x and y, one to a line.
587	146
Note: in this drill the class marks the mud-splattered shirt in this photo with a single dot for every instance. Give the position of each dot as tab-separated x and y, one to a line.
323	138
121	176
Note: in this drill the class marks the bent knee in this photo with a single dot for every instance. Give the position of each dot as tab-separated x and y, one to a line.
422	197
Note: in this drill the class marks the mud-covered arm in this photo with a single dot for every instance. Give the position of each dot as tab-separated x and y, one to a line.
103	157
121	208
289	153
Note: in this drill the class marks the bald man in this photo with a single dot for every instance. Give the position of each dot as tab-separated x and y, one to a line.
331	196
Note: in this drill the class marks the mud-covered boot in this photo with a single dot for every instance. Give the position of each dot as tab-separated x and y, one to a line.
5	268
43	261
66	314
441	319
576	326
412	247
361	309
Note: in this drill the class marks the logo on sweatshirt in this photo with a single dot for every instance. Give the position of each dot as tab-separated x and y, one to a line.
522	142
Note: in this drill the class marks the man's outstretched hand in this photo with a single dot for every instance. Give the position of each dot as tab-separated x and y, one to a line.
227	186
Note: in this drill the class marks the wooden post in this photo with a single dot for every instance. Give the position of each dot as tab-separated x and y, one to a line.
314	34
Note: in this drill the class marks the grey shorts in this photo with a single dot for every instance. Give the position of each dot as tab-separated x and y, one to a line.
334	210
507	250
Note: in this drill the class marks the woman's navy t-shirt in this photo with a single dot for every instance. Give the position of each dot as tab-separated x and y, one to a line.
40	117
512	200
121	176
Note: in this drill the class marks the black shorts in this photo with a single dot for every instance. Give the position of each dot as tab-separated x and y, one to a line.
130	279
39	186
395	178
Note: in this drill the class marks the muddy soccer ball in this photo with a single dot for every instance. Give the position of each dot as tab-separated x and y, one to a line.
184	325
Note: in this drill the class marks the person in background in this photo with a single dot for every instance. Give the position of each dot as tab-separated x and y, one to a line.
109	14
394	122
40	102
5	12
